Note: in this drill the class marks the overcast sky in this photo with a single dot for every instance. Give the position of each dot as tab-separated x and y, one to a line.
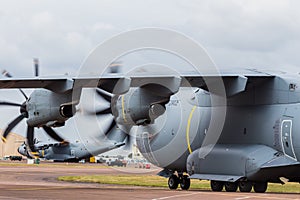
236	33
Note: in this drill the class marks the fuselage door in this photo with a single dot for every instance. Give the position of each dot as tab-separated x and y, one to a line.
287	139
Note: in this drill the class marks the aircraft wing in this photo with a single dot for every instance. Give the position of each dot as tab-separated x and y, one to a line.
43	146
234	82
54	84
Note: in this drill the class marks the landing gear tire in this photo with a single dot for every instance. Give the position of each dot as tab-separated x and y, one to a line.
231	187
245	186
216	186
260	187
173	182
185	182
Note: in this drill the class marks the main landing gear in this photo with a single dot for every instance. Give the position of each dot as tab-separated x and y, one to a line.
182	180
243	186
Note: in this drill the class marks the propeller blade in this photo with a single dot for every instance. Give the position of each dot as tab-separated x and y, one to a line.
112	125
36	66
5	103
53	134
105	95
104	112
8	75
130	138
23	93
128	143
30	138
11	125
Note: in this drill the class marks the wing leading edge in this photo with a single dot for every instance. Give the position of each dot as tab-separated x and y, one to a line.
117	83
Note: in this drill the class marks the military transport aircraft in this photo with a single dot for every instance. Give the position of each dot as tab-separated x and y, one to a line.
174	116
68	152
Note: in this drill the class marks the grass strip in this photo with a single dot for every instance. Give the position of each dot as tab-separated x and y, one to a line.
156	181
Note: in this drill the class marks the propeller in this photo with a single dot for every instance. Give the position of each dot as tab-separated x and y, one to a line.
113	132
24	114
30	129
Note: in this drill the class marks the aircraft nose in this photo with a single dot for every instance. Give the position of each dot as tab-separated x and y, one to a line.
22	150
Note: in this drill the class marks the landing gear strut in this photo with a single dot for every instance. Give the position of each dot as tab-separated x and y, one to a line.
182	180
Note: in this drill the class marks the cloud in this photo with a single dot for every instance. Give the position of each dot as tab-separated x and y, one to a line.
100	26
42	20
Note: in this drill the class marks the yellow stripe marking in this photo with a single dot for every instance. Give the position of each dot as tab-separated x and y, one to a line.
3	139
188	130
123	109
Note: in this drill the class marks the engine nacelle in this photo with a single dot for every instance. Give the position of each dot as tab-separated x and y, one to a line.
48	108
138	106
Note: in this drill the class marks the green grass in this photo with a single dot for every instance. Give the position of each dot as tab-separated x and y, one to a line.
156	181
134	180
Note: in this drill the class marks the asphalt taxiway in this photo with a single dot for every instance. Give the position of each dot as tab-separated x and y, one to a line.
40	182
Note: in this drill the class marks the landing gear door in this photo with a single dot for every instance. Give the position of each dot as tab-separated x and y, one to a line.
286	138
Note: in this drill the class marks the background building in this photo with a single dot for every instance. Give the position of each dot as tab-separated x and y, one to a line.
10	148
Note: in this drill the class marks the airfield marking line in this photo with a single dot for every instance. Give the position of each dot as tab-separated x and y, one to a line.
240	198
6	197
233	195
174	196
41	188
255	196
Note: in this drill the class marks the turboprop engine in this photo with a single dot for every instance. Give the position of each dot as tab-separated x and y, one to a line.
139	106
48	108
